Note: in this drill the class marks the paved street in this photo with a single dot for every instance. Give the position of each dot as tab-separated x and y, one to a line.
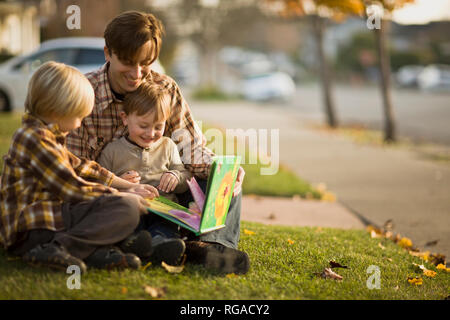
422	116
376	183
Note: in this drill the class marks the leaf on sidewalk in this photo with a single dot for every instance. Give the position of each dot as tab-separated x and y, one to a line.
327	273
155	292
431	243
388	225
337	265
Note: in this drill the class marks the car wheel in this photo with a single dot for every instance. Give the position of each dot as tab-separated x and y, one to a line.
5	104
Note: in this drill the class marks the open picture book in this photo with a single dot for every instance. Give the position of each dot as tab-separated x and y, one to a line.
209	211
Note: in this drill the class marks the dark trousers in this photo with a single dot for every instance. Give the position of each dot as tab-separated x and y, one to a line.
89	225
227	236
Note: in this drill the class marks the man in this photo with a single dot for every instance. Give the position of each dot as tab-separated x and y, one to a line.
132	44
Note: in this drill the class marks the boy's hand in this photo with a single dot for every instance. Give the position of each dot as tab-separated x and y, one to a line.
168	182
144	190
131	176
142	203
238	183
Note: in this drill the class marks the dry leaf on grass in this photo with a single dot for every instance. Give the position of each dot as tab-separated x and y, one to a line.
441	266
155	292
337	265
124	290
249	232
426	272
327	273
415	281
290	241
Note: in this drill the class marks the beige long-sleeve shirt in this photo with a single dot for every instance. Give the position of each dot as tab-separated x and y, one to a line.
151	163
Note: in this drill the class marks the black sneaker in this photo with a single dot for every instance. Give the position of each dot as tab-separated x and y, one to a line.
139	243
217	257
169	250
111	257
53	255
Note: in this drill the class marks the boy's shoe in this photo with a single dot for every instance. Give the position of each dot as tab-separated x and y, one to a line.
110	257
169	250
53	255
139	243
218	257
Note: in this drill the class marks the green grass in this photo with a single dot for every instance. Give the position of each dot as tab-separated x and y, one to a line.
279	270
9	122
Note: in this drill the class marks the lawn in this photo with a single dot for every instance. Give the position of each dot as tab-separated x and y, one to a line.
285	262
284	265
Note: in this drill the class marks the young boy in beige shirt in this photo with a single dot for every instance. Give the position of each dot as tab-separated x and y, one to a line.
145	155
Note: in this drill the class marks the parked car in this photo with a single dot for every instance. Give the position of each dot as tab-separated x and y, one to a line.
435	77
407	76
268	86
83	53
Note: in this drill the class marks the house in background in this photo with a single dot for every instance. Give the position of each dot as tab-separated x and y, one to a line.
19	27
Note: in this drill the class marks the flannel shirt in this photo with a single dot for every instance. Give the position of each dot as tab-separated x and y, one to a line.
104	124
39	174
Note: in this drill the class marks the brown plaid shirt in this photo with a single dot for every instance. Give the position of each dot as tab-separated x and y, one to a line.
104	124
39	174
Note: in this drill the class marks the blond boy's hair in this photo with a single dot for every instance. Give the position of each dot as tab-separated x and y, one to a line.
149	97
58	90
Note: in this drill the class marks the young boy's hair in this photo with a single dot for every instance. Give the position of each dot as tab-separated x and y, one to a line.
129	31
58	90
149	97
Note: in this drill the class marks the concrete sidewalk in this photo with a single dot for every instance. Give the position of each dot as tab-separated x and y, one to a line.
372	183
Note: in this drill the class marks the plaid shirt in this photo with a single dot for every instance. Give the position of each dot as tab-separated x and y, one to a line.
39	174
104	124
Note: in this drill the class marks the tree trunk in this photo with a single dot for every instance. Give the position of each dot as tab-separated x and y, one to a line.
325	75
384	78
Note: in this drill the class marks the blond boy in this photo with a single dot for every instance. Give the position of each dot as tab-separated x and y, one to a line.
57	209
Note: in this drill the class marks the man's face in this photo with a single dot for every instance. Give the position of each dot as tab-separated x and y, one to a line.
126	76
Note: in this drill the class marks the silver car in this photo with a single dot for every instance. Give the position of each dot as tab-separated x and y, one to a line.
83	53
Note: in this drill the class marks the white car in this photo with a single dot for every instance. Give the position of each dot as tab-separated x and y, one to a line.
268	86
83	53
435	78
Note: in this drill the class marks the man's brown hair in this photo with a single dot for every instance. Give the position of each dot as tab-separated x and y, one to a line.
149	97
129	31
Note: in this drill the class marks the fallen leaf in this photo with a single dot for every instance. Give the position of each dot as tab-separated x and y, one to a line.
388	225
231	275
441	266
318	229
396	287
328	197
374	232
422	255
249	232
437	258
272	216
155	292
172	269
337	265
124	290
405	243
429	273
143	268
381	246
431	243
389	259
327	273
290	241
416	281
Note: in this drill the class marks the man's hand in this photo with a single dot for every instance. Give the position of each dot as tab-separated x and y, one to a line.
168	182
131	176
238	183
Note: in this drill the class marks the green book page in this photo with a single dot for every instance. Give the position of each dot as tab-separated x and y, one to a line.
220	191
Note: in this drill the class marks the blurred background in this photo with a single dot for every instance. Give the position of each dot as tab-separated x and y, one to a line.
307	55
